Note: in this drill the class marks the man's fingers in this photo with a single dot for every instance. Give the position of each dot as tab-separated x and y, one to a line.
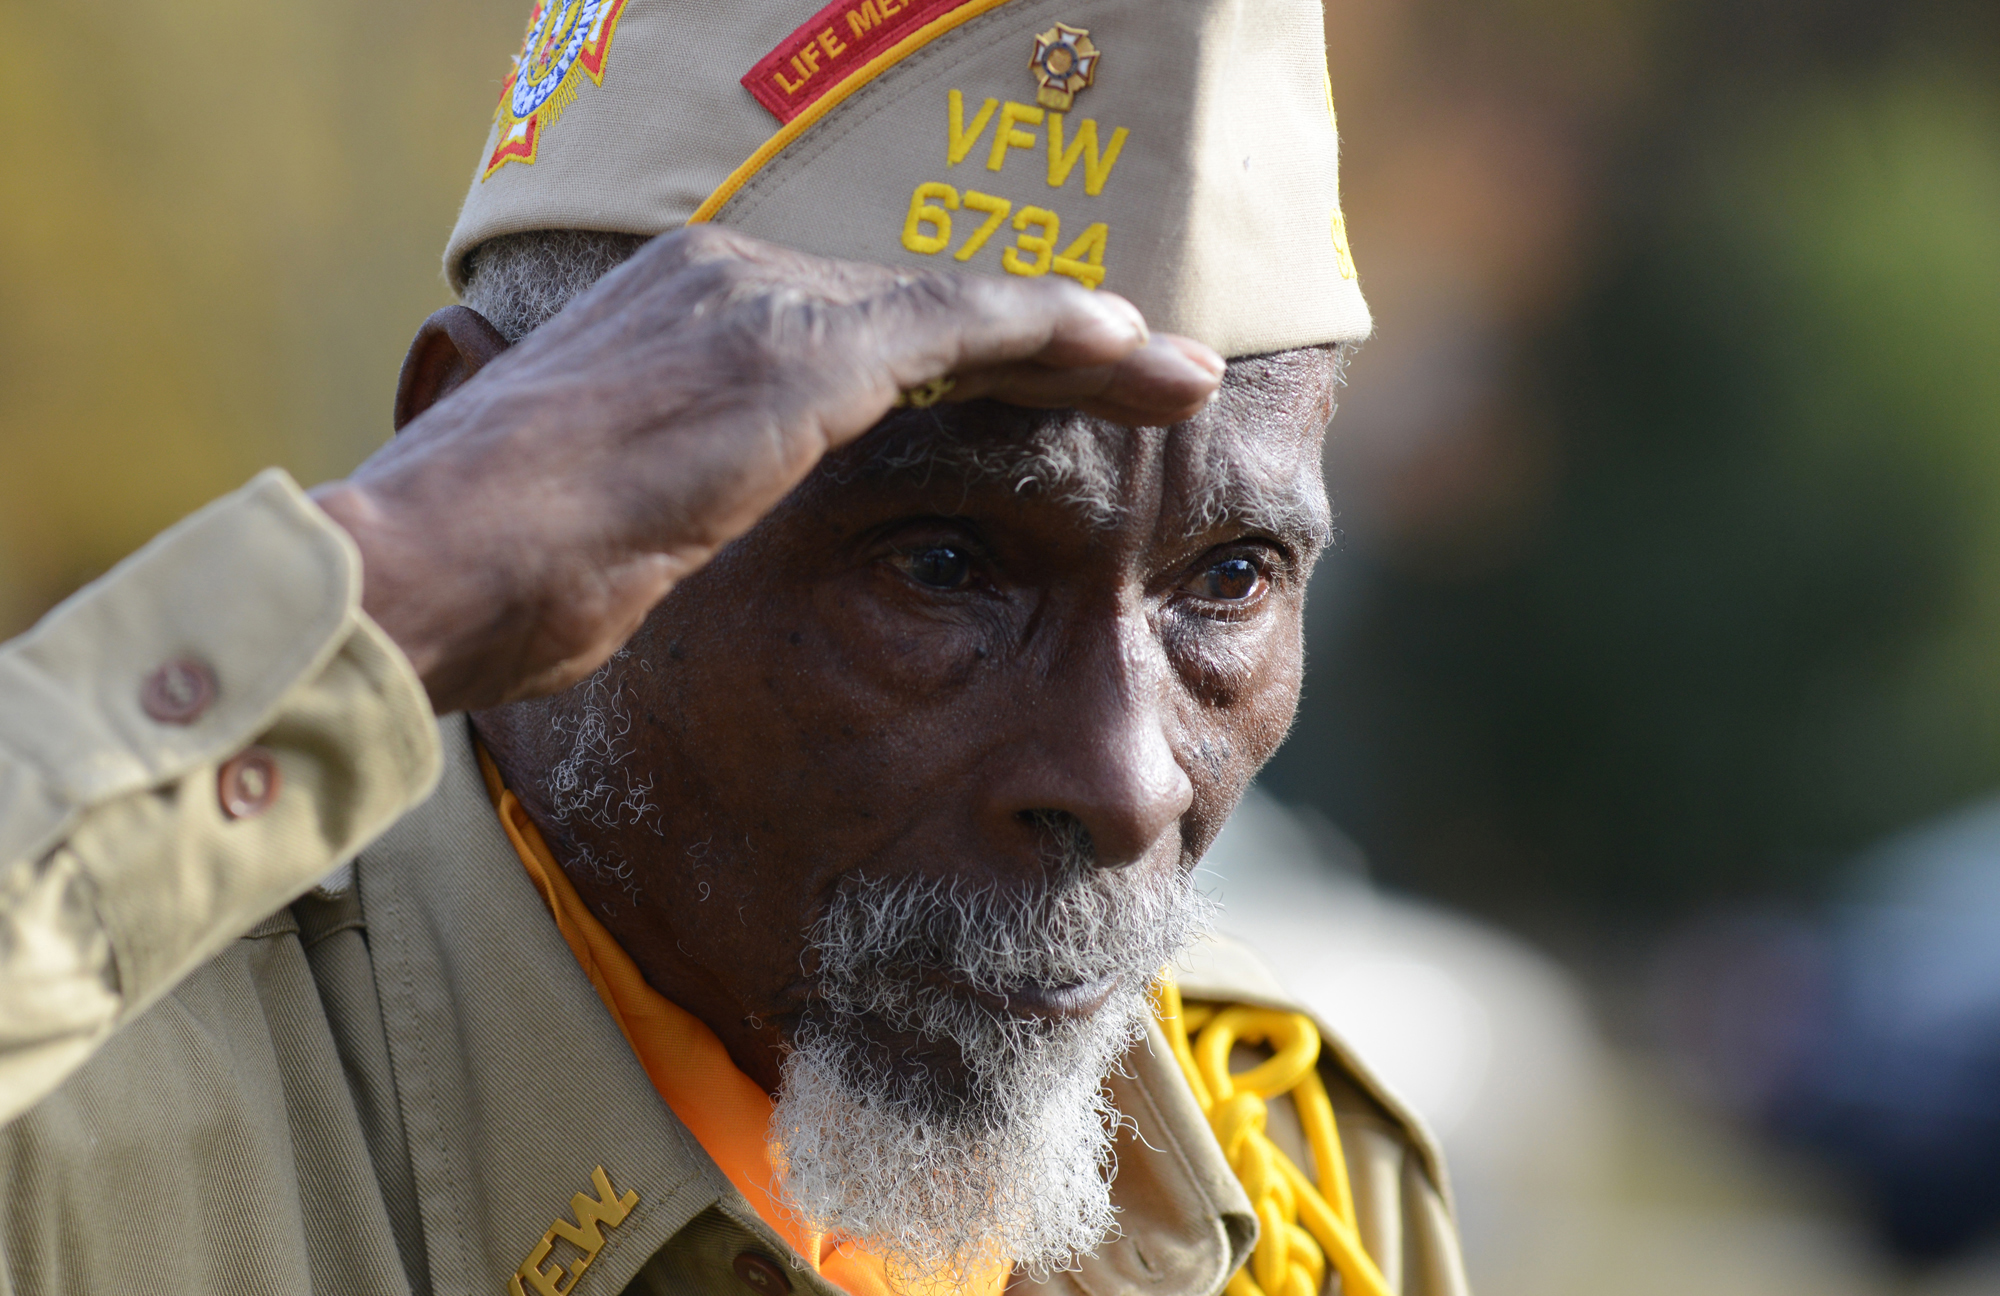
1168	380
1049	345
957	324
1093	329
1165	381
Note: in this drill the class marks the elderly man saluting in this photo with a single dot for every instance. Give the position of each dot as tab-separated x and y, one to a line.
843	665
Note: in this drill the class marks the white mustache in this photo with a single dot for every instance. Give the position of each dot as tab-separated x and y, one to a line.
879	938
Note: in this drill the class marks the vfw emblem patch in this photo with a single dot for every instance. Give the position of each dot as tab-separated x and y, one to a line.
567	40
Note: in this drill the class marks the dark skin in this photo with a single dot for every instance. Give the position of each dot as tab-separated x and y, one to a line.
899	673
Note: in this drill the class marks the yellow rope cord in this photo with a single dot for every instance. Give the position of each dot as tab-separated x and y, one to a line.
1301	1224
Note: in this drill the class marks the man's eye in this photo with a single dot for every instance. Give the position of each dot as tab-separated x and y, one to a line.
938	566
1233	580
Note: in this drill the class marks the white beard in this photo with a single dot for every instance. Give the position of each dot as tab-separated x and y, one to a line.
1009	1160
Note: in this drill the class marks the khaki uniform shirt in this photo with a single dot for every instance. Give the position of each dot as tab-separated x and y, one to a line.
400	1081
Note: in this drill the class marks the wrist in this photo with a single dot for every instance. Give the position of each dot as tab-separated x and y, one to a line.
391	590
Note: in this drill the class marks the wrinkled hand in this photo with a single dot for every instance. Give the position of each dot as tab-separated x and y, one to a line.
518	532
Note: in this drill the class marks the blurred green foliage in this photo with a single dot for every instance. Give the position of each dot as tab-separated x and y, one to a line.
1757	622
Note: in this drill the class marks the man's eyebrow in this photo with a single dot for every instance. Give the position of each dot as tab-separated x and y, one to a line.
1056	458
1295	511
1305	525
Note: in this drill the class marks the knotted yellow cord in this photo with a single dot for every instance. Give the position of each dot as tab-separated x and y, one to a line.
1301	1225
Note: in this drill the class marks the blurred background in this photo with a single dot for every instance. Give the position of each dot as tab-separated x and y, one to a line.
1642	782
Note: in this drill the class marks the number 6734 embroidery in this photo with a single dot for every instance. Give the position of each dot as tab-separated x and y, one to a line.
928	230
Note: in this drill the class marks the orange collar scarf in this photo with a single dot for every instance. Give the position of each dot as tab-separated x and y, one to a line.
724	1109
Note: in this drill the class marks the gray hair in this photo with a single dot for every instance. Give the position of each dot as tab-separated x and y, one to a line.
519	281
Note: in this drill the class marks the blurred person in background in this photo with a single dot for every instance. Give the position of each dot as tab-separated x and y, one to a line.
1870	1036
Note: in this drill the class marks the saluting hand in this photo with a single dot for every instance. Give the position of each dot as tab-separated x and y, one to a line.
518	531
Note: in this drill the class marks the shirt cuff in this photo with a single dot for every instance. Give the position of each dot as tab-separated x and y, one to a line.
120	716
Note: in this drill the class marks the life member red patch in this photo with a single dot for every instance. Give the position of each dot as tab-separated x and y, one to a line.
832	43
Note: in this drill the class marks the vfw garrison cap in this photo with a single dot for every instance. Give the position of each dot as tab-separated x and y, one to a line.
1179	152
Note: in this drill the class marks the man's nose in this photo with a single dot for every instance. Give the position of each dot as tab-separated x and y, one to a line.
1095	744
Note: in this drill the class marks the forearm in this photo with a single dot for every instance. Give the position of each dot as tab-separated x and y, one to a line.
132	849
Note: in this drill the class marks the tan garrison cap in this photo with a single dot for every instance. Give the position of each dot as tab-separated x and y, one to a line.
1179	152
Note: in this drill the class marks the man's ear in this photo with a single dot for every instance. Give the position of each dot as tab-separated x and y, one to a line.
451	346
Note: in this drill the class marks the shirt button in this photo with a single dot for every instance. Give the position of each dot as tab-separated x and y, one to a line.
248	783
178	692
761	1274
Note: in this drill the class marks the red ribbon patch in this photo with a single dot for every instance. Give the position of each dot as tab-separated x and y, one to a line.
832	43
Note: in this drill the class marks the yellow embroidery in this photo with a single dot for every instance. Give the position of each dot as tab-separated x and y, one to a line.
1083	260
833	98
925	212
996	209
1300	1225
871	14
1065	150
586	1235
925	395
1342	256
565	37
1043	245
1006	137
960	140
806	61
927	231
1063	160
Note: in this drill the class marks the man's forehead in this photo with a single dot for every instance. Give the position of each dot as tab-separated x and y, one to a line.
1251	459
